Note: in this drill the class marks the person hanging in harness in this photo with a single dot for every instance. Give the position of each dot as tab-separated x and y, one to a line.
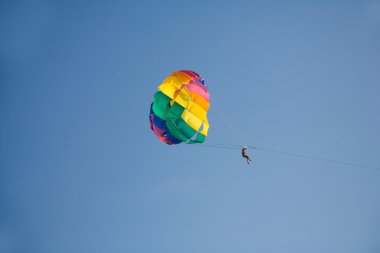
244	154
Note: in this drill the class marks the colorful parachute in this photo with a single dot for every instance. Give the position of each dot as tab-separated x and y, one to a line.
178	112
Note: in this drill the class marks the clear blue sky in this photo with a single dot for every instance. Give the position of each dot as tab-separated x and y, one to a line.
80	170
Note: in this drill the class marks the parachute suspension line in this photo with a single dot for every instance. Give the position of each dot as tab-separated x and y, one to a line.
217	146
233	132
314	158
224	145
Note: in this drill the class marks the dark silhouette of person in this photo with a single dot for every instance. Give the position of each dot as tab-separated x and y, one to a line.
244	154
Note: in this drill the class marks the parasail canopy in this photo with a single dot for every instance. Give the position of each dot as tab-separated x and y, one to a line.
178	112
